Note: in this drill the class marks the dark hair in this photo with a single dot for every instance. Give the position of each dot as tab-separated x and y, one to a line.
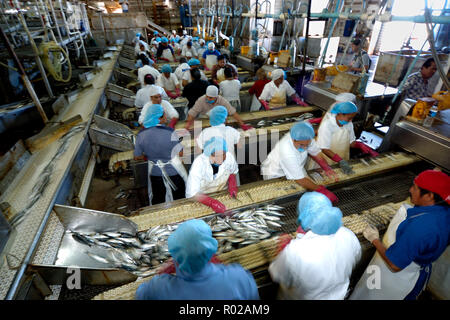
228	72
183	60
221	57
226	57
195	74
428	63
437	198
144	59
148	79
356	42
189	43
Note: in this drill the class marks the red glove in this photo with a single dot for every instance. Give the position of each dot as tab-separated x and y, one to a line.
283	241
300	230
324	165
177	92
366	149
214	204
163	59
330	195
299	101
246	127
336	158
173	122
265	104
232	186
171	95
315	120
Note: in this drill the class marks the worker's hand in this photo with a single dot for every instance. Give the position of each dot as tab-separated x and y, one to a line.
365	149
315	120
177	92
171	95
326	168
330	195
232	186
371	233
283	241
346	168
173	122
214	204
265	104
299	102
246	127
167	267
189	124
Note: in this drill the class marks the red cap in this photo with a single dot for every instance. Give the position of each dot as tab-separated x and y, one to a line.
435	181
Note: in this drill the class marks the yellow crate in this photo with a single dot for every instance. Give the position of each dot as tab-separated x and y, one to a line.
245	50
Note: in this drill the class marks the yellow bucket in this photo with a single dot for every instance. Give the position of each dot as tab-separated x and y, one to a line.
245	50
319	74
422	107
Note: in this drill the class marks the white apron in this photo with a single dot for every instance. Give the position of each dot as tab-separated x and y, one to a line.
220	75
256	105
393	286
211	61
167	54
178	166
218	184
339	144
278	99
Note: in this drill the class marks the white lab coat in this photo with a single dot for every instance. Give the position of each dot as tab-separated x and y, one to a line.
143	95
286	160
186	50
393	286
276	95
137	46
229	134
181	69
143	71
187	76
230	89
201	178
168	83
316	267
169	110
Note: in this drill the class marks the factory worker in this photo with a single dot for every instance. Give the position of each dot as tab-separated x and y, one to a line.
189	48
146	69
143	94
218	128
169	82
197	278
195	89
195	43
230	89
182	68
318	263
159	145
289	156
415	237
361	60
202	48
209	58
212	171
258	88
174	35
185	40
218	71
336	135
274	93
138	42
156	98
207	102
165	51
193	64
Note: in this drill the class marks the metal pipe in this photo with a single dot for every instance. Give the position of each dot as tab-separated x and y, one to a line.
353	30
24	76
305	51
35	50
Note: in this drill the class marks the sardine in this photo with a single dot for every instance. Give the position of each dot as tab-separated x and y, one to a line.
97	258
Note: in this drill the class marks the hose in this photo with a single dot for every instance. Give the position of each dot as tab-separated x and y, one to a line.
53	63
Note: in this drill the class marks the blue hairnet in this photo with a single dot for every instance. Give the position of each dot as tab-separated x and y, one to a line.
195	38
316	213
138	34
344	107
218	115
155	32
192	245
158	39
150	61
214	144
193	62
302	131
164	40
154	112
166	68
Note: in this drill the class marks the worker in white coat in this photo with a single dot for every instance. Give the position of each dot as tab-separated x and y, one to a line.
336	135
318	263
169	82
212	171
184	66
414	239
275	92
172	115
289	156
210	55
166	173
143	94
146	69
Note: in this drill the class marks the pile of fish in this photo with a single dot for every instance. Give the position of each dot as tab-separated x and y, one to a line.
245	228
275	122
143	252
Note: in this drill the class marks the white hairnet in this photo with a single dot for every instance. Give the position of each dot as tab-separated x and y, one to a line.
153	91
212	91
277	73
211	45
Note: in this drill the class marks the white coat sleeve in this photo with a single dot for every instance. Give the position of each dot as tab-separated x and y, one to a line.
267	93
159	81
138	100
313	148
235	167
143	113
279	270
289	90
199	140
292	168
324	136
194	179
352	132
174	79
171	112
235	134
203	77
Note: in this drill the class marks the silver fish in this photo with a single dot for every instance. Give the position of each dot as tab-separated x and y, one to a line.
97	258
